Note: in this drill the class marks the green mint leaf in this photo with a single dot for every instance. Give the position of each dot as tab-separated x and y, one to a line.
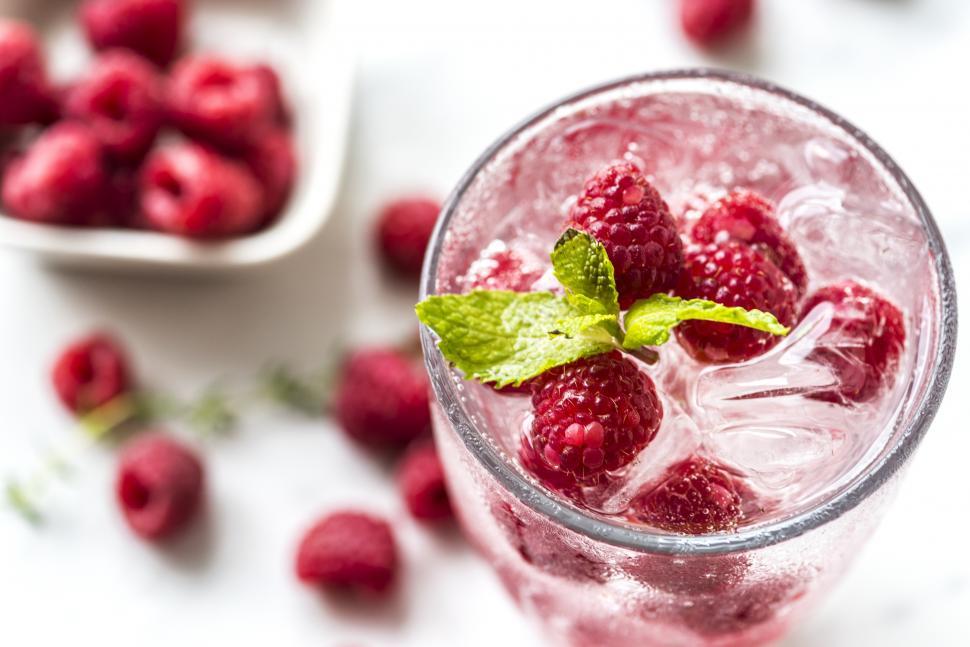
580	263
506	337
20	501
585	325
649	321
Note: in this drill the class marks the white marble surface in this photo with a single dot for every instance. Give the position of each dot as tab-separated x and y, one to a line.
438	80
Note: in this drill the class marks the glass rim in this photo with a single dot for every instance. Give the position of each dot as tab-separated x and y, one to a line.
744	539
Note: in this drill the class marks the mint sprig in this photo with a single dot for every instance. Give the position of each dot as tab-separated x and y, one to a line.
504	338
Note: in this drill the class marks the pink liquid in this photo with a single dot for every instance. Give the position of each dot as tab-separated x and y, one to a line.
849	220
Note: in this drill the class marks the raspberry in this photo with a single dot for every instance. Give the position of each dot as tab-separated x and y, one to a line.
502	269
627	215
863	344
693	497
732	274
159	485
404	228
152	28
746	217
421	480
27	96
194	192
272	159
221	103
593	416
59	179
119	204
120	100
90	372
708	22
551	477
348	550
689	575
382	398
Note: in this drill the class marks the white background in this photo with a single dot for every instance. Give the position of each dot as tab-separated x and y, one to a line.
438	80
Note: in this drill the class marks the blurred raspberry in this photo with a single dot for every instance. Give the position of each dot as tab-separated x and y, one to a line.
219	102
690	575
863	345
626	214
421	481
26	94
746	217
194	192
151	28
694	497
403	231
593	416
272	159
502	269
708	22
59	180
743	610
90	372
120	99
382	398
159	485
732	274
349	550
274	88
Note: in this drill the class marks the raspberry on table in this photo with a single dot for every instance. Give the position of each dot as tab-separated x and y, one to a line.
151	28
863	345
120	99
746	217
693	497
349	550
59	179
421	481
593	416
403	231
26	93
90	372
502	269
626	214
218	102
191	191
382	398
272	159
732	274
708	22
159	485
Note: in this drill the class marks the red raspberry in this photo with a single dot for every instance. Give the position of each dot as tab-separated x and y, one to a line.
689	575
863	344
159	485
27	95
59	179
746	217
121	100
382	398
551	477
626	213
272	159
221	103
119	204
593	416
194	192
90	372
732	274
503	269
152	28
693	497
421	480
707	22
403	230
349	550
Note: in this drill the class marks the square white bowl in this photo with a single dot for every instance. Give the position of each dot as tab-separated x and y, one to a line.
307	42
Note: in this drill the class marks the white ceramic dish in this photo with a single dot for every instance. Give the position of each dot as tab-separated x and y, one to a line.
307	42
